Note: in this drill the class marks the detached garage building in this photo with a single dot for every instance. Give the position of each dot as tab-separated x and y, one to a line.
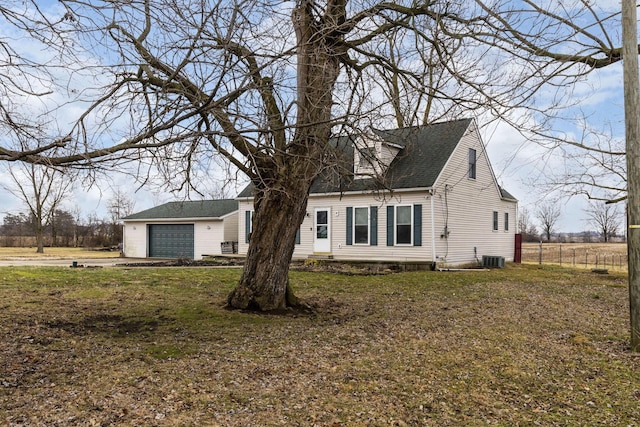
182	230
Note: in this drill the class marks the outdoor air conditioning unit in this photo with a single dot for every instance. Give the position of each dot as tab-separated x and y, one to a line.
491	261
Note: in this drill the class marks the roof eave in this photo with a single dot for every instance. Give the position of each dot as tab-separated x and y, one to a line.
189	219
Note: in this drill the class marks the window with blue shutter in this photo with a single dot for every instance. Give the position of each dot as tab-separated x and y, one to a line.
373	216
362	225
404	228
248	217
417	225
390	225
404	225
349	226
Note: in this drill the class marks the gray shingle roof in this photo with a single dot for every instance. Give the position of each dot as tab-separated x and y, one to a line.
425	152
506	195
188	209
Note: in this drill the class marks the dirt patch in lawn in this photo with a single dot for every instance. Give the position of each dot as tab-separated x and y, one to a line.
311	265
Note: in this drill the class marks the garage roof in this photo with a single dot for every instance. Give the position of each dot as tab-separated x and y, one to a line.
210	209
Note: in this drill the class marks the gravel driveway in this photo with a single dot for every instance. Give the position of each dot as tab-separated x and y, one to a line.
65	262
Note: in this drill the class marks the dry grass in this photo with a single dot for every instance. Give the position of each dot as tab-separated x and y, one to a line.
581	255
54	253
519	346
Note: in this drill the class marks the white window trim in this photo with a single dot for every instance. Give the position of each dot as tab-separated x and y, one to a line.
495	221
395	226
475	165
353	226
506	222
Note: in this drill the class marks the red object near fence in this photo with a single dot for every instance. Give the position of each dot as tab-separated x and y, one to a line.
517	255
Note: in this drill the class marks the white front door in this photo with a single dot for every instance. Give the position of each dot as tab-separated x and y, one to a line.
322	230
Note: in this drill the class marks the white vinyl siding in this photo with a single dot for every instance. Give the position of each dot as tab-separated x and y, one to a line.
469	206
340	248
208	237
231	227
135	240
466	229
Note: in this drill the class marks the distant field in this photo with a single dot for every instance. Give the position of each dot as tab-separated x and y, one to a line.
586	255
60	253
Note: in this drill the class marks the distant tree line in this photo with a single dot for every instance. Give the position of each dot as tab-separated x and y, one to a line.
63	229
605	222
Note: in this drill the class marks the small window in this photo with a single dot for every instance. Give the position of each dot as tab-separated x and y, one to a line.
495	221
248	225
404	225
322	224
472	163
361	226
367	157
506	221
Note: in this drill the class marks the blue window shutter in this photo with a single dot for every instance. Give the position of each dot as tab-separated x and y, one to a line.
298	236
373	225
247	225
390	225
417	225
349	226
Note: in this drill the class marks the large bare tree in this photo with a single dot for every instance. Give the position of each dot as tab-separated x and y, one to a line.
119	205
526	226
266	84
42	190
606	218
548	215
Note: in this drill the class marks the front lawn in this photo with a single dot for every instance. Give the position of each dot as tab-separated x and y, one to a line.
154	346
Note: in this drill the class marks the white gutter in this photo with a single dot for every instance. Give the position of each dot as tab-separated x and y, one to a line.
354	193
433	229
177	219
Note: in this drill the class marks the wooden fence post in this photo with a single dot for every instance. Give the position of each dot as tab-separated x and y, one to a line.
560	255
540	254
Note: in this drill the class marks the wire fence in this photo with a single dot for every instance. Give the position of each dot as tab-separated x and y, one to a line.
605	256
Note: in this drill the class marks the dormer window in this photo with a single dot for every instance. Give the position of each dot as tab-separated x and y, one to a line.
367	157
372	156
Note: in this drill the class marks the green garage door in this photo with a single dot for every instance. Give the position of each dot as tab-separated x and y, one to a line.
171	241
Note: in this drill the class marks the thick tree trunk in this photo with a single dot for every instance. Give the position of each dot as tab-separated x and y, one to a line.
282	189
264	284
40	240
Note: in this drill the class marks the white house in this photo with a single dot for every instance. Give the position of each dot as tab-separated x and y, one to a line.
188	229
420	194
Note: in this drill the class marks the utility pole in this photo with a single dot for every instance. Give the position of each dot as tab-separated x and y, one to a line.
632	133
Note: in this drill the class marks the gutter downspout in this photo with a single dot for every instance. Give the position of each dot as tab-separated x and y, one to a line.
433	231
124	238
